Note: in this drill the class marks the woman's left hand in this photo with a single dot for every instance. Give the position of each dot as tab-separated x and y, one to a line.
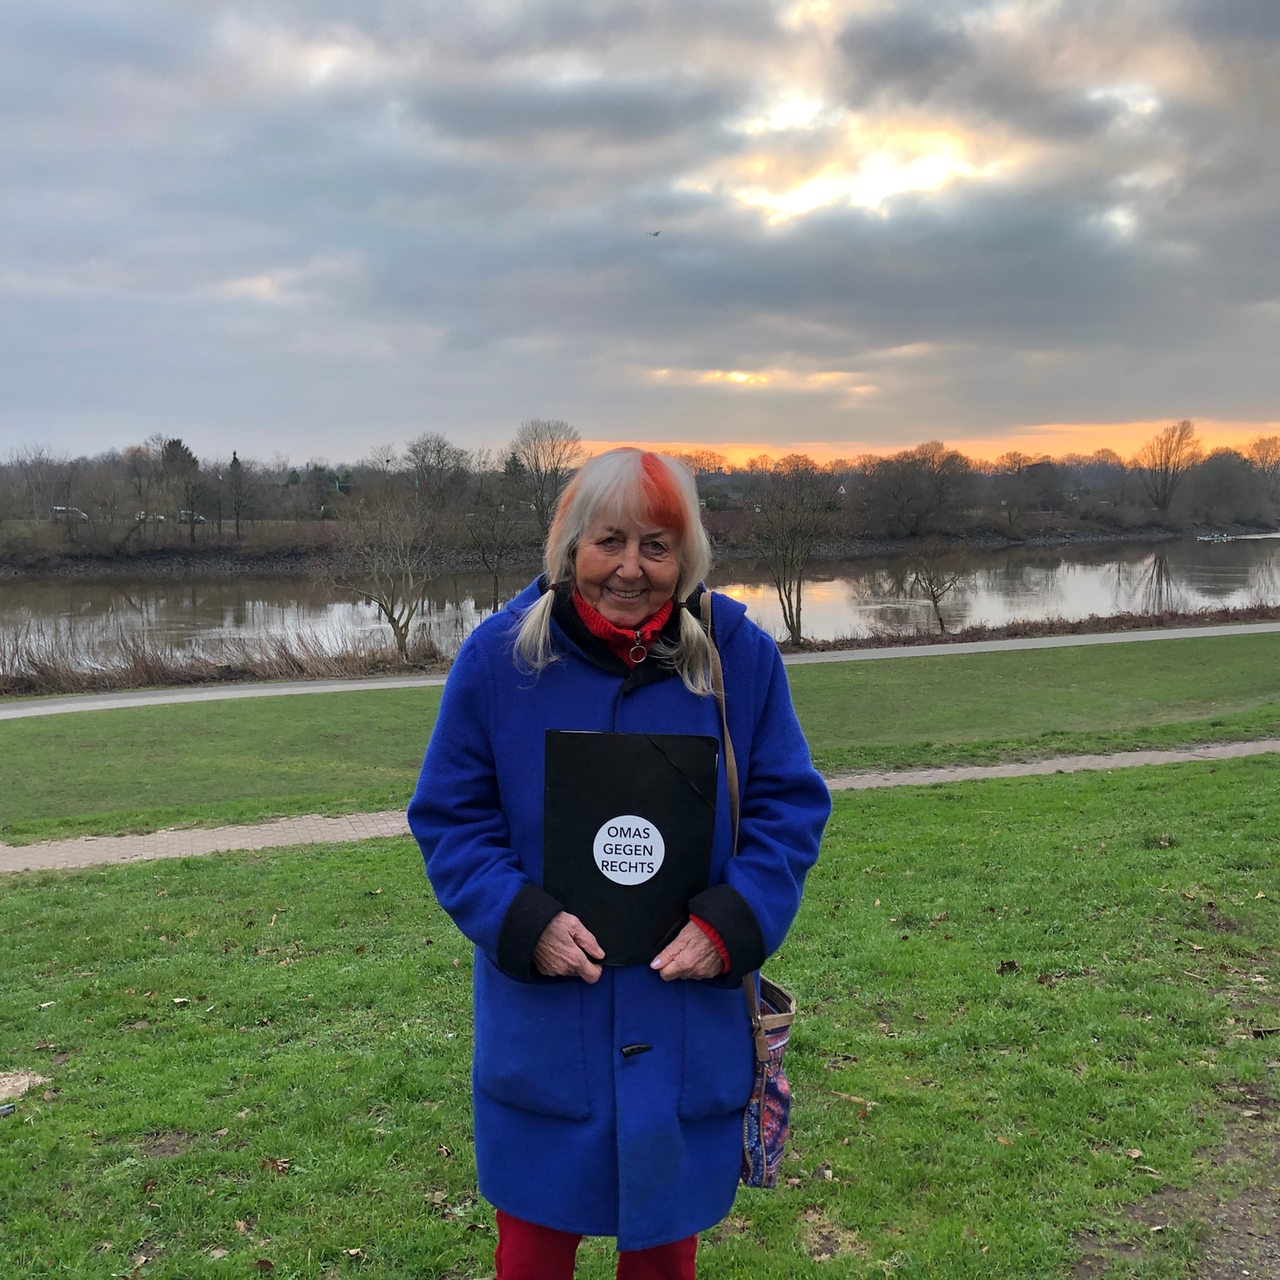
689	955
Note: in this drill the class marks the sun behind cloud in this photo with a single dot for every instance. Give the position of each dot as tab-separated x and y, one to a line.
769	379
806	154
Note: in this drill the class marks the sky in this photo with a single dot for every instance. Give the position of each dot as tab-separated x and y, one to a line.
315	229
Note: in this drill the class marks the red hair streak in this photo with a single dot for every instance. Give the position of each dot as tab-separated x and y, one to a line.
661	494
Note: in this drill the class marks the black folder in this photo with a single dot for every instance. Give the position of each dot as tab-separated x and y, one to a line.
627	829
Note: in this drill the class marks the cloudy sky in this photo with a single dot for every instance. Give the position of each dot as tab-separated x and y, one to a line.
311	227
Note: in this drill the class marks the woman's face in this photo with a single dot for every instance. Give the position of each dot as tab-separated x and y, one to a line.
627	572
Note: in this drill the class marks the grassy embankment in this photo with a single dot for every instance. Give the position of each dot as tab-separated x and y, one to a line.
1030	1004
141	769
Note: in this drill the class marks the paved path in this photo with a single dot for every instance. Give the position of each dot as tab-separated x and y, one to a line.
89	851
92	851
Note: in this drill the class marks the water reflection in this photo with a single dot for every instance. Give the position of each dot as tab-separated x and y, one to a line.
1151	587
841	597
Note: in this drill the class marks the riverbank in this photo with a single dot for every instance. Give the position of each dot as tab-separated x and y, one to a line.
168	564
42	665
225	559
215	616
1036	628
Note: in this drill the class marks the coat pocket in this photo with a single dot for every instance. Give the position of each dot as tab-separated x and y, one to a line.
529	1047
719	1063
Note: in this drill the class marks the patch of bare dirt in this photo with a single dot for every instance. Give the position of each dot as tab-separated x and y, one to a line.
13	1084
825	1240
1214	919
1245	1225
1235	1206
1238	1211
1097	1255
166	1144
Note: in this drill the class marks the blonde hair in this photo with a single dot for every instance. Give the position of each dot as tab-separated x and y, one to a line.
629	486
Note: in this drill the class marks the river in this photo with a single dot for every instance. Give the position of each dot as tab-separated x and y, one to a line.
842	598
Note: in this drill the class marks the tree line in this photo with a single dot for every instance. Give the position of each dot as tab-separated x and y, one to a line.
120	498
399	517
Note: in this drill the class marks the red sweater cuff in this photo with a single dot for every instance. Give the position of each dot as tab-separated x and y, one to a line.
716	941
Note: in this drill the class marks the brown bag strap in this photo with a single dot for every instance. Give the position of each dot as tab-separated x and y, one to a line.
759	1030
717	686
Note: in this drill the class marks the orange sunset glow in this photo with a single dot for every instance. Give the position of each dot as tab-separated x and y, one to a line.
1052	439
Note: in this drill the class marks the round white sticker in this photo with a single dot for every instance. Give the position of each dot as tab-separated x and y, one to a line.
629	850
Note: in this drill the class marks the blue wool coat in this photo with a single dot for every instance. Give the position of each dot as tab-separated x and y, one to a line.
570	1132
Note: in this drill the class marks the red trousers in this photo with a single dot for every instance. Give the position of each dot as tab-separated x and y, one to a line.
527	1251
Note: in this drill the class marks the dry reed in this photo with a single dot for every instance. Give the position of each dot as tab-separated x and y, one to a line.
1032	628
40	661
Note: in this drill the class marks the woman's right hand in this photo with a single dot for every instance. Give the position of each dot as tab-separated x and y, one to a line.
568	948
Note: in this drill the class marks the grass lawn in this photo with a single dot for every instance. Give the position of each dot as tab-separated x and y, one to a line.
213	763
1034	703
1028	1008
140	769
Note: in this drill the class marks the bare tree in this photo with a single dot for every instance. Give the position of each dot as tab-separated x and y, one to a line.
1163	462
142	470
703	462
68	502
439	469
1159	590
1225	488
1264	454
549	450
390	551
934	572
1011	486
794	509
239	491
917	491
41	477
1108	473
496	521
107	500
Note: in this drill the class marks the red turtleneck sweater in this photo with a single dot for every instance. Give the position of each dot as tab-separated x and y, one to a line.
626	643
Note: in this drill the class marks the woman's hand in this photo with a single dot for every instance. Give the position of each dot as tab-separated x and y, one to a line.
690	954
568	948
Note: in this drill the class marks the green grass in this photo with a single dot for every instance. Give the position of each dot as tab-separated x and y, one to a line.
1033	703
139	769
213	763
202	1021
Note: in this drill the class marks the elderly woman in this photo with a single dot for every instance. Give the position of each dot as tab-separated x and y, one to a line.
609	1099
